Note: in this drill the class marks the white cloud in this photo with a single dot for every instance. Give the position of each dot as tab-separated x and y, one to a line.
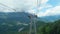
44	1
53	11
31	11
5	9
50	12
26	4
46	6
29	4
9	3
40	14
6	5
22	4
43	4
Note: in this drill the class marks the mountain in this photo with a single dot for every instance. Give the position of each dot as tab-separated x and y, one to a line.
50	18
12	21
23	17
14	16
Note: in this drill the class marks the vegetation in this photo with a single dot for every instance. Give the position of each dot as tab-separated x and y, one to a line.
50	28
42	28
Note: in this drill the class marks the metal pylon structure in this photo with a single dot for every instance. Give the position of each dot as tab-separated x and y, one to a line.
33	24
33	21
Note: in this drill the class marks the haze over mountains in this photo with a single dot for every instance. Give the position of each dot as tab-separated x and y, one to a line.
23	17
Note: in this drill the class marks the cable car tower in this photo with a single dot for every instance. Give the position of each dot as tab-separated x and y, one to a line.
33	21
32	24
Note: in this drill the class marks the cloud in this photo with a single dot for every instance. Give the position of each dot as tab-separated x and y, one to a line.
53	11
31	11
6	5
44	1
27	4
22	4
30	6
43	5
50	12
5	9
9	3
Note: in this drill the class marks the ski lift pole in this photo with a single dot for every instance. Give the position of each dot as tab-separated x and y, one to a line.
32	24
30	28
30	32
35	29
34	20
35	26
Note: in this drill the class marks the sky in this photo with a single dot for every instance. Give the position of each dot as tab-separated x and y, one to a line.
43	8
